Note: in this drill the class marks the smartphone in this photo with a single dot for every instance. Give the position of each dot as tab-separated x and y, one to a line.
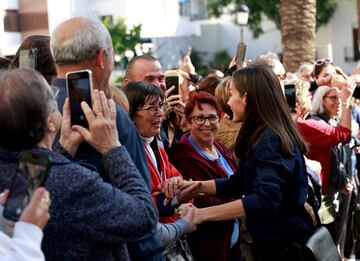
172	79
240	55
79	87
27	58
30	174
290	94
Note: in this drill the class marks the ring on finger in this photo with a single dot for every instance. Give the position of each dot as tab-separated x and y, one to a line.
46	200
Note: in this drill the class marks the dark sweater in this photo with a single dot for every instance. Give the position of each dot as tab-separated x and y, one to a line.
212	240
91	219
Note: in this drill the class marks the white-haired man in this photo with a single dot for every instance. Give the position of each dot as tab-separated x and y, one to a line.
84	43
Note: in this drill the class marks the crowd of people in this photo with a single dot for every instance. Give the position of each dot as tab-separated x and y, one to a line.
222	166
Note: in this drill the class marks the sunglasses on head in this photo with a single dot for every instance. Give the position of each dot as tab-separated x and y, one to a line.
322	61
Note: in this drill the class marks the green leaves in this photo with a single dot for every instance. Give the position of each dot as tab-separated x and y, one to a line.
271	9
123	38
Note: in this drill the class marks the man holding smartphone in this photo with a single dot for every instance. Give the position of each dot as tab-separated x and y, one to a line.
83	43
148	69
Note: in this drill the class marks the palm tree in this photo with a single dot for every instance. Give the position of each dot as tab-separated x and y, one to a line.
298	22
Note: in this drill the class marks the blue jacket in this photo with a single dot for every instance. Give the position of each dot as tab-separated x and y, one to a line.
92	219
148	247
275	187
128	136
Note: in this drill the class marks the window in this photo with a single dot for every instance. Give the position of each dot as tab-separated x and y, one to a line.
11	21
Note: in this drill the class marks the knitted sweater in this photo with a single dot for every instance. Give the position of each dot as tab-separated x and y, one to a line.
91	219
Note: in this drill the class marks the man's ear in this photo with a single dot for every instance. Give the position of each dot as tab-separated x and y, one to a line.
126	81
101	58
50	124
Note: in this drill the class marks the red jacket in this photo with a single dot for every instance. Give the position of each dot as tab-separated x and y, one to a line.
211	241
321	137
167	170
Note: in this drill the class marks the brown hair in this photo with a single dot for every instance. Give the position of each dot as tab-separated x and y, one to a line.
44	60
209	84
118	96
266	108
222	95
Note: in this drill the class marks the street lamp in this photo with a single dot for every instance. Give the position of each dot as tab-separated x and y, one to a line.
242	16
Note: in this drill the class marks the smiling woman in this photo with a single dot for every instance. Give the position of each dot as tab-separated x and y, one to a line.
146	102
199	156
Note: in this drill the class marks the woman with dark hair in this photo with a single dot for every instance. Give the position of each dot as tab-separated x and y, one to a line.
198	156
325	73
271	182
146	103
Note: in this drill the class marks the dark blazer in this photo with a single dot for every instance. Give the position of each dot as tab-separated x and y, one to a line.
149	248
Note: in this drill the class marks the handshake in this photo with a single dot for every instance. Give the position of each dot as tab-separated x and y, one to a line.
178	191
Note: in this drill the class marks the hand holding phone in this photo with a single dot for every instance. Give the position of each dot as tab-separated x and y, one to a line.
172	78
31	173
28	58
240	55
290	95
79	87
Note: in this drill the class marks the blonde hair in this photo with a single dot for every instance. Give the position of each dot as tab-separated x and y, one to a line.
222	94
118	96
302	92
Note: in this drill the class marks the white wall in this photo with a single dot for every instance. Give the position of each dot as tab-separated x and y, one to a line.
338	33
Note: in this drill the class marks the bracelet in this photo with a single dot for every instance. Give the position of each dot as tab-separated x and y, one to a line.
344	104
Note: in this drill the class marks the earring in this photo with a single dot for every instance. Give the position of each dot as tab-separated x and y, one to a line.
102	66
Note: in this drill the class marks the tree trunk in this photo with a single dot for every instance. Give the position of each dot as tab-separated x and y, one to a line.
298	22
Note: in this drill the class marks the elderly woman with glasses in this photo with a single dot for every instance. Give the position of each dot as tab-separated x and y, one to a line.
334	153
198	156
146	109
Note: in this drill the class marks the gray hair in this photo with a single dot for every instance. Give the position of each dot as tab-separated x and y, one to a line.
268	59
79	40
26	100
317	106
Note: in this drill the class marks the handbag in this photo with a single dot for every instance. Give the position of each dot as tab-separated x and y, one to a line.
322	246
178	251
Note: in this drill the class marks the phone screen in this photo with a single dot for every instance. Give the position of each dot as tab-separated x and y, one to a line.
79	85
290	94
27	58
172	81
31	173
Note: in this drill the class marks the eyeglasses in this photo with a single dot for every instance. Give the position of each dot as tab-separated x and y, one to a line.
200	119
153	109
322	61
333	98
